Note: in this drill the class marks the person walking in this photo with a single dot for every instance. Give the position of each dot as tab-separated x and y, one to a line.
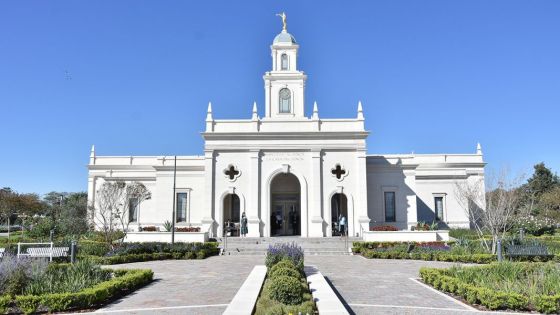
342	225
244	229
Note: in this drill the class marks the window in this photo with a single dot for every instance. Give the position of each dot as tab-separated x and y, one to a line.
284	62
133	208
285	101
181	208
438	201
390	206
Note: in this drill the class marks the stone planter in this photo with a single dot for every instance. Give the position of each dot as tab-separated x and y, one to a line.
185	237
406	236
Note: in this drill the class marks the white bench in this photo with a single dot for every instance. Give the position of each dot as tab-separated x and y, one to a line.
2	250
46	251
43	252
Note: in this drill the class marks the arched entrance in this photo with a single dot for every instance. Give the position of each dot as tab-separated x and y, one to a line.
285	213
339	208
232	215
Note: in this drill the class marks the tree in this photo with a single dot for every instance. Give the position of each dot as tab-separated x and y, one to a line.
16	204
490	211
110	212
542	181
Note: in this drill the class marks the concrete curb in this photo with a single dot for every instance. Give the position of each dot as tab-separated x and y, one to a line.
245	299
327	301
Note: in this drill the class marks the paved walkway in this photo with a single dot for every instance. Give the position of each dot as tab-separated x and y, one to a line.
187	286
366	286
381	286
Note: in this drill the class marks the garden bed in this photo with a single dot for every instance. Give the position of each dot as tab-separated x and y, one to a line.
137	252
285	290
466	252
30	286
499	286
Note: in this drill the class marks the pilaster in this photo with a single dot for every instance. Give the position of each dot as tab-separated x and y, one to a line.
253	209
316	197
209	220
361	205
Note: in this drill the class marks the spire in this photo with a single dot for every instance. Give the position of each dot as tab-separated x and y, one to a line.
255	116
478	149
209	112
92	155
315	111
360	111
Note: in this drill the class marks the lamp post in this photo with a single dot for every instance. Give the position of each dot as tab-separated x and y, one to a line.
173	207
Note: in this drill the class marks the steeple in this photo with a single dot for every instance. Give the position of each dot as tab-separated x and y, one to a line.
315	115
209	118
92	155
284	84
255	115
360	111
478	149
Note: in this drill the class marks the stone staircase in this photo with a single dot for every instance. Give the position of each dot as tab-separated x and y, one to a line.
311	245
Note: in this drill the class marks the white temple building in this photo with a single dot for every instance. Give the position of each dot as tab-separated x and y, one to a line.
292	174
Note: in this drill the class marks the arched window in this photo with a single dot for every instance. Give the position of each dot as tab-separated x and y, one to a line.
285	101
284	61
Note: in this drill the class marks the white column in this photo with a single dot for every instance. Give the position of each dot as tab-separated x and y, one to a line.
209	219
315	196
361	206
412	210
252	210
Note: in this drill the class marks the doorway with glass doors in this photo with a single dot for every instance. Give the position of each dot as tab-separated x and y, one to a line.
285	214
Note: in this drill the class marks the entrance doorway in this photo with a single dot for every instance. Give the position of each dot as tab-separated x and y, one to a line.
285	214
339	209
231	215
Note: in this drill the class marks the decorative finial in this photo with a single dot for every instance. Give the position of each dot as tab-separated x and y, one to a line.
209	112
284	24
360	111
478	149
255	116
315	111
92	155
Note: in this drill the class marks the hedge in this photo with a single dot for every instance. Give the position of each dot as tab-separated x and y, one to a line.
124	282
437	256
124	259
489	298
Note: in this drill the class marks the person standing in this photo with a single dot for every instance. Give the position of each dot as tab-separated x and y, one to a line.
244	229
342	225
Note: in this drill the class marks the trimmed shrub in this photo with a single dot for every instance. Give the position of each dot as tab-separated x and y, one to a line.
94	248
446	280
285	271
287	290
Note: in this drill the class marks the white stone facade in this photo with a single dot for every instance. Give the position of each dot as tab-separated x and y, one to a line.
289	172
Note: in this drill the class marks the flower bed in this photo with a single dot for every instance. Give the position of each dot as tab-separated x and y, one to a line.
508	285
29	286
187	229
285	290
383	228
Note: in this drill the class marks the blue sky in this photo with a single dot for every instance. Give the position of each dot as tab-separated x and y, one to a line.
135	77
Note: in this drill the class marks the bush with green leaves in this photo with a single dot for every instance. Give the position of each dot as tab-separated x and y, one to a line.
285	271
506	285
123	282
286	290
